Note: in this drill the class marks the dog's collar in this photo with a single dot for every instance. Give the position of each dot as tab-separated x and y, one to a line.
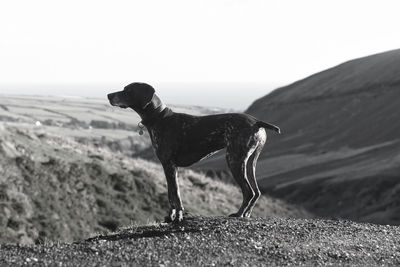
157	114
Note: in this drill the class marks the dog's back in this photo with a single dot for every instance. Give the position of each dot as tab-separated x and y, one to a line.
193	138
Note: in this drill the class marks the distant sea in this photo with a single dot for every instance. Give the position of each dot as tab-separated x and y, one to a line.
236	96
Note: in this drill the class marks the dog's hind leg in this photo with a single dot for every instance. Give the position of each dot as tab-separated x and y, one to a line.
251	171
237	158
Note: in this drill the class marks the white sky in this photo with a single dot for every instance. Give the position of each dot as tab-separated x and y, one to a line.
240	48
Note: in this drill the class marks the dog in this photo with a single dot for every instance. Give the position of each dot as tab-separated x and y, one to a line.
180	140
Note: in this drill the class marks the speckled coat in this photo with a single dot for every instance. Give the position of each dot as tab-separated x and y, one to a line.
180	139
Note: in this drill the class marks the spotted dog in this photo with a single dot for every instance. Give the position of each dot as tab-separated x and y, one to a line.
180	139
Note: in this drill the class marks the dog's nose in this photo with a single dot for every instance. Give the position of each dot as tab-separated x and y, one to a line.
109	96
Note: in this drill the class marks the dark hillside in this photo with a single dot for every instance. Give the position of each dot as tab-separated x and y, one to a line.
378	72
339	154
355	104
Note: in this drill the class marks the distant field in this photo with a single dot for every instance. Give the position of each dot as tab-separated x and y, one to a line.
86	119
30	108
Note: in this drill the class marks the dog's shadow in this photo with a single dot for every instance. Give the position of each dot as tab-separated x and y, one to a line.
193	224
188	225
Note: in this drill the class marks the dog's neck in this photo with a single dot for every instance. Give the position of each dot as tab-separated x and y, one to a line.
153	112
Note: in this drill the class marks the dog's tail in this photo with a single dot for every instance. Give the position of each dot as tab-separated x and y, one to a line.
268	126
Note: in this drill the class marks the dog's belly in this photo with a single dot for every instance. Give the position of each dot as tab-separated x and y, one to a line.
196	150
189	158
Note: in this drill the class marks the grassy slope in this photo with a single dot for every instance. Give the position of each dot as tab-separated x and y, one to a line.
222	241
54	188
339	151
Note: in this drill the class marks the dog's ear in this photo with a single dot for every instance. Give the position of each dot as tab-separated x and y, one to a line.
146	96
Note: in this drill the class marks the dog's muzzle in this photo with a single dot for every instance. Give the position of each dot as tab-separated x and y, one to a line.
114	100
110	97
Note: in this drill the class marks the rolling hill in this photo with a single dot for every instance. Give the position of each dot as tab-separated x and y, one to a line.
54	188
339	154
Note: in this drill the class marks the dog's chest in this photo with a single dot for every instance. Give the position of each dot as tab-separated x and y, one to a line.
155	139
162	142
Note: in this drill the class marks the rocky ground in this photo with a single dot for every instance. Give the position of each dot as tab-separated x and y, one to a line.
223	241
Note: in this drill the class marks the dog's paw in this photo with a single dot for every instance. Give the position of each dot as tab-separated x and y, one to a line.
171	216
247	215
179	217
174	216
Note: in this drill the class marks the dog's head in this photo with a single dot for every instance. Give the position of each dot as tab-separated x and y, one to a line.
135	95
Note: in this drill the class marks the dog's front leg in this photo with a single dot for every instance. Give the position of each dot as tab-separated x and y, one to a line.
176	211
